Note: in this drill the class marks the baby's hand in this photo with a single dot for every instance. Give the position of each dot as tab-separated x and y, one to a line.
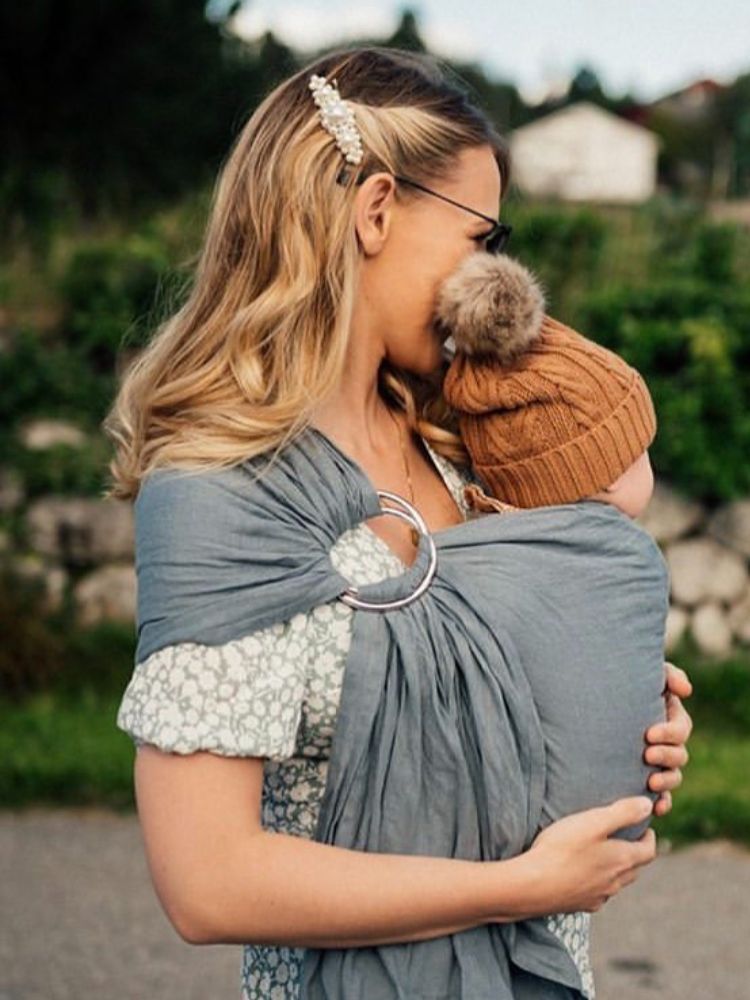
480	502
668	739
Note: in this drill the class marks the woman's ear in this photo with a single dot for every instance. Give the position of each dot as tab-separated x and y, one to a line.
374	210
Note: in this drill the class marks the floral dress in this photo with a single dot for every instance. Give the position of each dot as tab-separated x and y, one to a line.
274	694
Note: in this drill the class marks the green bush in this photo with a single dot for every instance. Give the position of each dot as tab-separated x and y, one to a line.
714	253
34	206
563	247
692	346
63	469
98	660
41	379
46	651
109	291
32	653
668	226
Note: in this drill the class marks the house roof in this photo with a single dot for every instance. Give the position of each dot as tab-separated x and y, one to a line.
582	109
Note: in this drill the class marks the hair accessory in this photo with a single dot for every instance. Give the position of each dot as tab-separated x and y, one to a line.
337	117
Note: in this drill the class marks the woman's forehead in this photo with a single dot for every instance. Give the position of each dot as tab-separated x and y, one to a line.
476	180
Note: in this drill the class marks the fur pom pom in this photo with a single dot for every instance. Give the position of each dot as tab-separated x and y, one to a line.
491	305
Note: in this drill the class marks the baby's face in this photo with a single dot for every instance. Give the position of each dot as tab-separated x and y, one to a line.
632	491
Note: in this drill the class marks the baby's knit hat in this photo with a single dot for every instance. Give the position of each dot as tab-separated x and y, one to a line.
547	416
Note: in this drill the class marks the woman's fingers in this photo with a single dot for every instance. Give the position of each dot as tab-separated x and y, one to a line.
621	812
644	849
627	879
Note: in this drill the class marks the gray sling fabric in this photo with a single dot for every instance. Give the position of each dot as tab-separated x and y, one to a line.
439	746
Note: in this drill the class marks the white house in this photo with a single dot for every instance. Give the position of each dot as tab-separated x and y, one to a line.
585	153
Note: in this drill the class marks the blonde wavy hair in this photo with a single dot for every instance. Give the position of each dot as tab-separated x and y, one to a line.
262	335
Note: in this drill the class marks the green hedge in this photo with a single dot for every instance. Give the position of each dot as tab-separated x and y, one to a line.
692	346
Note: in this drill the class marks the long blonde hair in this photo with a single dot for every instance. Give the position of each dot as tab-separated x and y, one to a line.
262	336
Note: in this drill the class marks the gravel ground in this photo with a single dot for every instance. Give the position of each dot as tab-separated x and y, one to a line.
79	919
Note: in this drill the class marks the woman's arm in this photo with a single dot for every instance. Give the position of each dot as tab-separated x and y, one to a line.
668	739
222	878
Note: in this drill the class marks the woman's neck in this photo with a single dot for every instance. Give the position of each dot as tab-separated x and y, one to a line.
356	416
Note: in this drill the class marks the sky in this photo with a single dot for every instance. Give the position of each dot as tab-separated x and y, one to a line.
646	47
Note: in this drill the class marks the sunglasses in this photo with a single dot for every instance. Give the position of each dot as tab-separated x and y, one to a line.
494	241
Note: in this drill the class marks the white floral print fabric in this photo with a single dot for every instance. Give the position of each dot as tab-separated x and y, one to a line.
275	694
574	930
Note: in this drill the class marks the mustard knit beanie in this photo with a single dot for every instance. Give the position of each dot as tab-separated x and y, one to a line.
547	416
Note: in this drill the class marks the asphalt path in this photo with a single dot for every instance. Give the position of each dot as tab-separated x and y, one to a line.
79	919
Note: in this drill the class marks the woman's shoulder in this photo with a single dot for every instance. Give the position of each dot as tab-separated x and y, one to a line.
175	505
247	696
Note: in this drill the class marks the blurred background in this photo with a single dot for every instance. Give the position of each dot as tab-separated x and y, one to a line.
629	127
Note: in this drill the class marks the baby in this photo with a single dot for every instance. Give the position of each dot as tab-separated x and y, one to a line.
550	418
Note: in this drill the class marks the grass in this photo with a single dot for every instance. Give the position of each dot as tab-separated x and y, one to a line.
714	797
62	750
62	747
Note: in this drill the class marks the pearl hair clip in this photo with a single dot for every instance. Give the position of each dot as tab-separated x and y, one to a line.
337	118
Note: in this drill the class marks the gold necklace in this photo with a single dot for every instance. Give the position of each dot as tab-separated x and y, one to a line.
414	532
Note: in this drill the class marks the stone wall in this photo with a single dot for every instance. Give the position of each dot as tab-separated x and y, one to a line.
85	547
707	553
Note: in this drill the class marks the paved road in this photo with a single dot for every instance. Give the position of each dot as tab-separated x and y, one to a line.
79	919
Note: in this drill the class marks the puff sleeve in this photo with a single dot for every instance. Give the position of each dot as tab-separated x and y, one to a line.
239	698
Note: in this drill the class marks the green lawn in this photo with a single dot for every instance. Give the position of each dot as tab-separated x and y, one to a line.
714	797
63	748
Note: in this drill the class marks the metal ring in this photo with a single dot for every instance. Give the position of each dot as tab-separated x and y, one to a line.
410	508
413	517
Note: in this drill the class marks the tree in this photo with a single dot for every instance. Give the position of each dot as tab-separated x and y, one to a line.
118	104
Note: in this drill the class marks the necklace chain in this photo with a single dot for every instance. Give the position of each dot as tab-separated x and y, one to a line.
414	532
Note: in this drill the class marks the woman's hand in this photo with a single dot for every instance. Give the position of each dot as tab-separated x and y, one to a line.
573	865
668	739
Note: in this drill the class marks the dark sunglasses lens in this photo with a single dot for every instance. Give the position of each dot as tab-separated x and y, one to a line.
496	242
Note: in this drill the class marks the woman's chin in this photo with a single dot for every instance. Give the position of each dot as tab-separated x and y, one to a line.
437	357
428	359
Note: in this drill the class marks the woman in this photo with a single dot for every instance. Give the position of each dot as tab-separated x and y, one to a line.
312	308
